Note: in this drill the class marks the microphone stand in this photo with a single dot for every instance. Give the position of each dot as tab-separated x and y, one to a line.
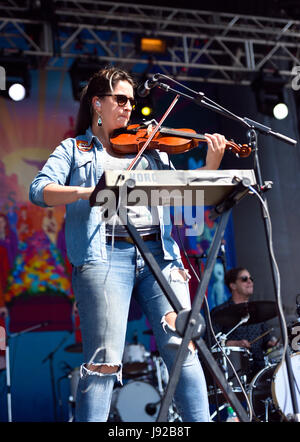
50	357
7	361
252	126
223	336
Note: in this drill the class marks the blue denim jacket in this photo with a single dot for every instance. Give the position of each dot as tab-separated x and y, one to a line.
77	162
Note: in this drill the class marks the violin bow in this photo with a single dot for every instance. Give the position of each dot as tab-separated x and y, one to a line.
152	134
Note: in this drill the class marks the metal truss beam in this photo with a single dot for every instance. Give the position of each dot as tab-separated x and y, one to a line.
201	45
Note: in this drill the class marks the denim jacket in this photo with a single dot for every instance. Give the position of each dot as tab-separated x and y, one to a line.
77	162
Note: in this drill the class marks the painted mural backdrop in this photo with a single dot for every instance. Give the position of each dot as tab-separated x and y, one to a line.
33	258
34	270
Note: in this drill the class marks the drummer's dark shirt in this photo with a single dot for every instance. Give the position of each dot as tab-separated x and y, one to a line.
249	332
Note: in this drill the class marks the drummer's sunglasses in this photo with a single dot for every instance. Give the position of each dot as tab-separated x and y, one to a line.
245	278
121	99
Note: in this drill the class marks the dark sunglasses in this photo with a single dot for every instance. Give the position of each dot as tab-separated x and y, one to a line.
245	278
121	99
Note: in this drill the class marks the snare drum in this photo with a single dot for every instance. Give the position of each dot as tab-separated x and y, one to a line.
134	360
136	401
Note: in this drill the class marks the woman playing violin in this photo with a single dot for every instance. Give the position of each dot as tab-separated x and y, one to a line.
107	271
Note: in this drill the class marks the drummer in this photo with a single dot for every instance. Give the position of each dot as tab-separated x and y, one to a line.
240	283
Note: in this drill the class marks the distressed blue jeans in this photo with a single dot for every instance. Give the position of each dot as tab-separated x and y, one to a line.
103	292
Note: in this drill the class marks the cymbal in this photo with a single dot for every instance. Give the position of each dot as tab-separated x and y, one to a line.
259	311
74	348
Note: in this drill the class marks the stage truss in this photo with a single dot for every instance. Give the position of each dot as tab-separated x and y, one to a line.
201	45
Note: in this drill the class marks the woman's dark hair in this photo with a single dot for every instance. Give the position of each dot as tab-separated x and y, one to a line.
102	82
232	275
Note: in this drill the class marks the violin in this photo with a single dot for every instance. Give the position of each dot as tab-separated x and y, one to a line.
174	141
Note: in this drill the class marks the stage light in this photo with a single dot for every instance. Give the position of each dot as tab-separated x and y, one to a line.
17	92
280	111
153	45
17	77
146	111
268	89
144	107
80	72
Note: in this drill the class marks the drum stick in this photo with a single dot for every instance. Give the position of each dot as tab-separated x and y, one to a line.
261	336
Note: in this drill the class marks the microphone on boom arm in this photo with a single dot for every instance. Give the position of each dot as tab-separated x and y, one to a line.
144	89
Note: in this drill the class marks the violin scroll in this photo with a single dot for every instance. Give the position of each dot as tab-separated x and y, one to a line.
241	150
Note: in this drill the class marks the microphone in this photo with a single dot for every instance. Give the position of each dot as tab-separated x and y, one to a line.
144	89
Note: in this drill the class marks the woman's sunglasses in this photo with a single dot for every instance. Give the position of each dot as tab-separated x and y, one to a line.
245	278
121	99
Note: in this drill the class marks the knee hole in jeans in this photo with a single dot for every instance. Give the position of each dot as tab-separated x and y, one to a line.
103	368
170	318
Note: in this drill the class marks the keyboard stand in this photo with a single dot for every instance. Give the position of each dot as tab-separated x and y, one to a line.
189	323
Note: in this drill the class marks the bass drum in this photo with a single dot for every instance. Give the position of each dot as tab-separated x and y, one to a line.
137	401
280	386
294	336
269	391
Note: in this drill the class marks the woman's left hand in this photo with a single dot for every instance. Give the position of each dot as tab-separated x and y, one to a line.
216	144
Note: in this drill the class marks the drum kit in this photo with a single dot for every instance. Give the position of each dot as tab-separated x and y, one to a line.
267	393
145	379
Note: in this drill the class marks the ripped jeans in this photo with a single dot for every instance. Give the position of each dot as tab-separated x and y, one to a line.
103	291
